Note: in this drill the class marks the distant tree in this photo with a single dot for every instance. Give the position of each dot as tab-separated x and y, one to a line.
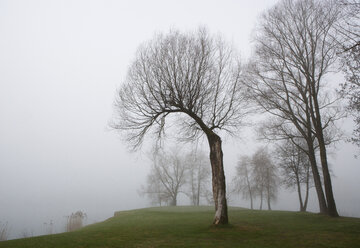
295	50
348	37
49	227
198	176
154	191
196	79
243	181
295	169
4	231
75	221
25	234
265	177
167	177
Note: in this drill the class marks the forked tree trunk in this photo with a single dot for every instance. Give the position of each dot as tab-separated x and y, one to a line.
316	117
332	211
218	179
315	171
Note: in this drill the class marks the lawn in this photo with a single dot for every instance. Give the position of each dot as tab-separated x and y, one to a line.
191	227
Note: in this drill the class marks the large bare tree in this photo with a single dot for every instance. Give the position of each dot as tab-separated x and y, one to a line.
194	77
295	50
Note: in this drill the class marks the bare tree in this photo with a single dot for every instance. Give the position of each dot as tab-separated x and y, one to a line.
167	177
49	227
195	78
295	168
198	176
243	181
26	234
265	176
348	26
4	231
348	37
295	50
154	191
75	221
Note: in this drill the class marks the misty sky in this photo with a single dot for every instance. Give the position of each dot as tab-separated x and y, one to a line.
60	65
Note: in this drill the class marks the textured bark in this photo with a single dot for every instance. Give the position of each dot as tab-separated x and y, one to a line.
218	179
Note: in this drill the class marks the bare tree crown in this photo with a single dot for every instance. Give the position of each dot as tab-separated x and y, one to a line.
190	73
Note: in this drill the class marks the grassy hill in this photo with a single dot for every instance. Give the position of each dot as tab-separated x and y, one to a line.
190	227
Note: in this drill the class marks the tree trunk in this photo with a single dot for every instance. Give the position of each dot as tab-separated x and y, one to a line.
173	201
307	189
332	211
268	202
268	191
250	191
299	193
198	191
316	117
317	181
218	179
261	199
251	200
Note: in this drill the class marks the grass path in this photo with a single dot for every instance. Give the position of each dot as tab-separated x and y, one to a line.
190	227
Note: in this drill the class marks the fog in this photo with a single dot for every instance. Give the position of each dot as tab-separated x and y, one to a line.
60	65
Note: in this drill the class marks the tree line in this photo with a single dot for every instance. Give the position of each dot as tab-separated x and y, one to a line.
257	176
199	80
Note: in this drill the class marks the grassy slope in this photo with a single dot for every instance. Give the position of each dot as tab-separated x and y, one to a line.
190	227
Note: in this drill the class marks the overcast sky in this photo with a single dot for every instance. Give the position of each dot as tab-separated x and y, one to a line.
60	65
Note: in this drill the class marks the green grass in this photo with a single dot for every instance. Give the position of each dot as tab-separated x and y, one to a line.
191	227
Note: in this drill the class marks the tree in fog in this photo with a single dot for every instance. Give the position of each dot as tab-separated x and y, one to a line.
198	176
193	77
154	191
167	177
349	50
295	169
264	176
75	221
49	227
295	50
243	181
4	231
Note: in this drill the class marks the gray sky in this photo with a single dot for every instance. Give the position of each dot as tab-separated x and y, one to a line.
60	65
